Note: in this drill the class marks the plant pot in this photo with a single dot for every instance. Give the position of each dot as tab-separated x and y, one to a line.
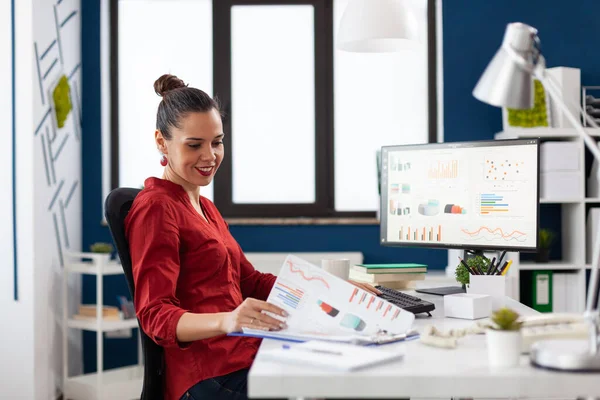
542	256
504	348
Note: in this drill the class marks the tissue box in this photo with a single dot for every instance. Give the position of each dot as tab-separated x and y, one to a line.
467	306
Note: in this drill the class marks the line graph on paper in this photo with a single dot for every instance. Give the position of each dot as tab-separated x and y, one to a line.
298	270
485	233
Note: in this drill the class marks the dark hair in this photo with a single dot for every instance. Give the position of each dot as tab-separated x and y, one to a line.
178	100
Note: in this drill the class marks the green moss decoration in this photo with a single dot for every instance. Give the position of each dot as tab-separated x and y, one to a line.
62	101
536	116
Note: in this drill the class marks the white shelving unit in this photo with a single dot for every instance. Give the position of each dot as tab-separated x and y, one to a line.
114	384
573	211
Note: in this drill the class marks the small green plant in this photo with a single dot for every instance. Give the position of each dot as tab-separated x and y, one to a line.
101	247
461	273
505	319
546	238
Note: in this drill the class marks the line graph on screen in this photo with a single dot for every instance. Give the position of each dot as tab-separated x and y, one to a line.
495	234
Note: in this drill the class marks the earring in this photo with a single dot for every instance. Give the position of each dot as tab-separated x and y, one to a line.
163	160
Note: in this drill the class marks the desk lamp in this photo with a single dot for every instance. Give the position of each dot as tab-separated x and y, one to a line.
508	82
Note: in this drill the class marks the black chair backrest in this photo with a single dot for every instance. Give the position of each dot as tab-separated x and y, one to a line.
117	206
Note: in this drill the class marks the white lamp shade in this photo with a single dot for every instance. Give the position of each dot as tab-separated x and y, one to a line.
377	26
508	79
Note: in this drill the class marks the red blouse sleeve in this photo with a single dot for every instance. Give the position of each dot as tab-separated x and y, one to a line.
153	238
252	282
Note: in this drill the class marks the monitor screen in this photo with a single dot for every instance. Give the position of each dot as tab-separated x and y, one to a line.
467	195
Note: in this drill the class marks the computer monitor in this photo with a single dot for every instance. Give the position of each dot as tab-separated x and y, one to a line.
467	195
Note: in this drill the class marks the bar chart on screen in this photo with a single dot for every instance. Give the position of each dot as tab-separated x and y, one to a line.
443	170
429	233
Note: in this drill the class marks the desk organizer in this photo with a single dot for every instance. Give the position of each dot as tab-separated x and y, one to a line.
467	306
499	287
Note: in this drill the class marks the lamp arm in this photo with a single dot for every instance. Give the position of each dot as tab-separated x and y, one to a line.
591	309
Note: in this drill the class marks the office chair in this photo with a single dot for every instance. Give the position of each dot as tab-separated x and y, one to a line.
117	206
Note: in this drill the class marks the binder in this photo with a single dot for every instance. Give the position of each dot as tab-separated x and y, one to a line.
542	291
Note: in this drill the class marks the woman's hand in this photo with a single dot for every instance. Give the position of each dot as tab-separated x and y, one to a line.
366	287
250	314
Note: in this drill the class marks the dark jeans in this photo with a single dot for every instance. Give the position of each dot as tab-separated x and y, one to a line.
232	386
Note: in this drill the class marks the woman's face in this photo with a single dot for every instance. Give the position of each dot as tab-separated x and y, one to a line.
195	150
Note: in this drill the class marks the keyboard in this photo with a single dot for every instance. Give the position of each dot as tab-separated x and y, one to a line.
407	302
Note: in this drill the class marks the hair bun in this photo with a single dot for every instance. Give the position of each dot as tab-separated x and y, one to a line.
167	83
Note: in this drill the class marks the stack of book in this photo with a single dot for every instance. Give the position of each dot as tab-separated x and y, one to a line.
88	311
394	276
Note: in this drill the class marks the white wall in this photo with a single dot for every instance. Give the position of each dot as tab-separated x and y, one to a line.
57	182
16	337
48	211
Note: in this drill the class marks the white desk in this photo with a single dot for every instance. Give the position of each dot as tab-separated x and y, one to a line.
425	372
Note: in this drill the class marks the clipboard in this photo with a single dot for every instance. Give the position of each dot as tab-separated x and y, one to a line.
300	337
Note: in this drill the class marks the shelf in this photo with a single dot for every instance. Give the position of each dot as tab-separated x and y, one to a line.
112	268
592	199
107	326
559	201
543	132
119	383
551	265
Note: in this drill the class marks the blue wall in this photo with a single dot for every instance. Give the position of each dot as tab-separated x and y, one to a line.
473	30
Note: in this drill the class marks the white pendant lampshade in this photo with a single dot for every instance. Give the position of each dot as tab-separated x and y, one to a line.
377	26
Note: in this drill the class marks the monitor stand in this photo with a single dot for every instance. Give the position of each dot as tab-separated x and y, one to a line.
442	291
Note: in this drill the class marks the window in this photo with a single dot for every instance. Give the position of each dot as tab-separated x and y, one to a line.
303	121
174	36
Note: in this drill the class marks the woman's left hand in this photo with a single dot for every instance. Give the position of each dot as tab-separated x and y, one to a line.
365	286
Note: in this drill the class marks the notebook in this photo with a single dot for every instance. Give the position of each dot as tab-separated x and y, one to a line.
334	356
391	268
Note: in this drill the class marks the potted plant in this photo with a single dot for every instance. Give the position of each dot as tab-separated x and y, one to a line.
103	248
478	262
504	338
546	237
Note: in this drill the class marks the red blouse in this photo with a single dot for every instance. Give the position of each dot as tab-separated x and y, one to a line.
182	263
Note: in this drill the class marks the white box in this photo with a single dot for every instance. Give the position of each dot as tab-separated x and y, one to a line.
560	156
561	185
568	80
467	306
499	287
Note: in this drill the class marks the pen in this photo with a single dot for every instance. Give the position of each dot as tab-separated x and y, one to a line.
507	267
501	257
334	353
499	272
469	270
495	269
491	267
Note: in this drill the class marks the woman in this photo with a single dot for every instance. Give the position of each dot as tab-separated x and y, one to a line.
193	283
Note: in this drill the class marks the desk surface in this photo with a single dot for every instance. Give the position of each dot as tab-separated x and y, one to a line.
424	372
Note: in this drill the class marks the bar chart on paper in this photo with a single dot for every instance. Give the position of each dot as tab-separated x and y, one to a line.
287	294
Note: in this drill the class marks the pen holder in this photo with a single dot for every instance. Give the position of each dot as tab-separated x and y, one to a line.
499	287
